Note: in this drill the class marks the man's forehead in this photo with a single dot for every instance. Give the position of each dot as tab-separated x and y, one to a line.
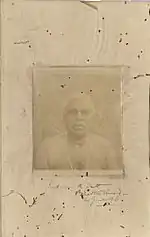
80	102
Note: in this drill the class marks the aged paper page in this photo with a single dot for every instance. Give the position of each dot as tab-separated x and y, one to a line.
75	112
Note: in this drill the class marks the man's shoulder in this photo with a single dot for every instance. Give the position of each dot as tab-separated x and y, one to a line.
99	140
55	140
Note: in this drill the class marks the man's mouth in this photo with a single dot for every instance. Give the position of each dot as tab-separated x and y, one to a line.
78	126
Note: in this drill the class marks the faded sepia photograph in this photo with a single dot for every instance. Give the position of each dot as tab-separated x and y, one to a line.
77	118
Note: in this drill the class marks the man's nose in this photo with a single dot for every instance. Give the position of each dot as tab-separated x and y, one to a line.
79	114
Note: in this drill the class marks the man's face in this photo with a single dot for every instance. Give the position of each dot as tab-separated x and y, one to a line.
77	115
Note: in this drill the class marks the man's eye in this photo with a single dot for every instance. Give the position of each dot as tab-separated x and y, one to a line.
73	112
84	112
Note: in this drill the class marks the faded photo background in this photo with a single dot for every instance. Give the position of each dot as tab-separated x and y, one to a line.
54	87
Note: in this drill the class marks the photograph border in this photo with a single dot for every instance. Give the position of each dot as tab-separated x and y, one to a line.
119	173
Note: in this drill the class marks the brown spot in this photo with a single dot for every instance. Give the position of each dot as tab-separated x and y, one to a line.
82	196
125	2
41	178
120	40
69	77
104	204
87	174
103	18
91	90
88	60
38	227
81	92
112	90
63	86
99	31
127	43
126	33
50	33
145	19
122	226
60	216
30	46
139	56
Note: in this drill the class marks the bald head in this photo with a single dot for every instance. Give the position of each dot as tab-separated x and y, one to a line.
79	102
77	113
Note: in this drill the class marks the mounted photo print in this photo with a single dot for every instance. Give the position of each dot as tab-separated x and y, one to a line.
77	118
